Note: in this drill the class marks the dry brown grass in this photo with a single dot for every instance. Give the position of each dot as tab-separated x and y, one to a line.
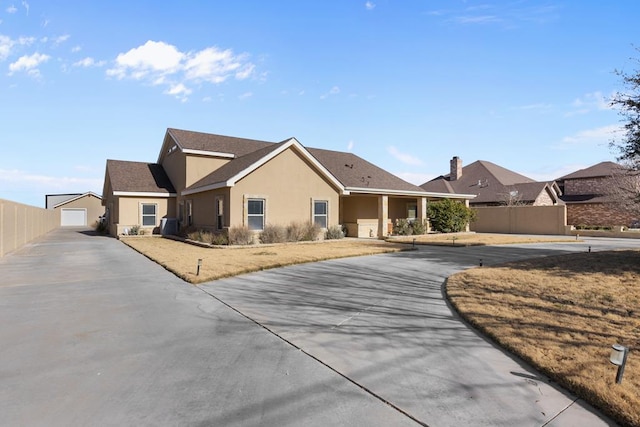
477	239
182	258
562	314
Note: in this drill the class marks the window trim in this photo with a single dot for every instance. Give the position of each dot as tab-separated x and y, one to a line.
325	215
263	200
143	215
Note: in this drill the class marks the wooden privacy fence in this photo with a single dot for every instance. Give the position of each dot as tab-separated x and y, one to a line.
521	219
20	224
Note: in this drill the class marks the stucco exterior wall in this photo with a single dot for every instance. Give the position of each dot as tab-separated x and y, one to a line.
91	203
204	208
130	212
20	224
174	165
521	219
359	207
200	166
289	186
598	214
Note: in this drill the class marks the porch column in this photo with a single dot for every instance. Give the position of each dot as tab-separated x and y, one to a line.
383	216
466	203
422	211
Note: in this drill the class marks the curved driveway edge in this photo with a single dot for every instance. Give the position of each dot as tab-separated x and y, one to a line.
382	321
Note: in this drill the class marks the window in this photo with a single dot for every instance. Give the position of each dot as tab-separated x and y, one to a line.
219	213
320	213
412	210
255	214
189	212
149	214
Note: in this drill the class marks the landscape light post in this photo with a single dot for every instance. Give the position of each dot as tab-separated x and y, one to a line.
619	358
199	265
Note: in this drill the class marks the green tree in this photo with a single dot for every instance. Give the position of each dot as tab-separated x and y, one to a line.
449	216
628	105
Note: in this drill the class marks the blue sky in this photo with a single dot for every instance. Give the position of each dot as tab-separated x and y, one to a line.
404	84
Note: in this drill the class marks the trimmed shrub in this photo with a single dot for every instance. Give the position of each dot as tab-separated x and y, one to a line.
295	232
240	235
273	234
311	231
419	227
334	232
220	239
448	216
135	230
402	227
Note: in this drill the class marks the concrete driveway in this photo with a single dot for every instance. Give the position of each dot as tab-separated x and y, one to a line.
95	334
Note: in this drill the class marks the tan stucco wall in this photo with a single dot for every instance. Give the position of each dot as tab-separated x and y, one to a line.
289	184
359	207
521	219
200	166
174	166
91	203
204	208
130	212
20	224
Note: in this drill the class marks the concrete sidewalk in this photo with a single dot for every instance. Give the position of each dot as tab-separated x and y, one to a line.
382	322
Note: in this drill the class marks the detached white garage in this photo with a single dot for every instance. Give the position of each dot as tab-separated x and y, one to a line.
76	210
73	217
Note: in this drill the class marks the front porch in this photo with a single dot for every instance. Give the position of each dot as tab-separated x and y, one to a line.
373	215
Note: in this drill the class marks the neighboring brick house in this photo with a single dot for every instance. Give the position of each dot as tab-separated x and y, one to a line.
494	185
587	194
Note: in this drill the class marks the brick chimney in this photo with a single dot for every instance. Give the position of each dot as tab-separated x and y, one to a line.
456	169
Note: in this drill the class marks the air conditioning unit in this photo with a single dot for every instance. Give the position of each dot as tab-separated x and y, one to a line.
168	226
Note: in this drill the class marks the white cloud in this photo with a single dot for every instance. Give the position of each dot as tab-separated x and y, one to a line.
350	146
333	91
61	39
20	180
550	175
12	9
89	62
245	95
160	63
369	5
403	157
5	46
594	101
26	6
180	91
596	136
29	64
76	49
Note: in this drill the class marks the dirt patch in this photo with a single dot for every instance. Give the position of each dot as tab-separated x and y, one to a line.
563	314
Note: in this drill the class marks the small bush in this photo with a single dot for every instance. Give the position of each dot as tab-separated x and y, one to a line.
240	235
334	232
418	227
220	239
311	231
295	232
402	227
135	230
273	234
101	227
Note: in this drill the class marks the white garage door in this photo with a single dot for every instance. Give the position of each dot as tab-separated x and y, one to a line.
73	217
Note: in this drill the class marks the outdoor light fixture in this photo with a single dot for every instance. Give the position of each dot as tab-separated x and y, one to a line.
199	265
480	262
619	358
414	243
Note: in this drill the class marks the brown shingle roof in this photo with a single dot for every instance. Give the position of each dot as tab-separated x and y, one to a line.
217	143
138	177
355	172
596	171
487	180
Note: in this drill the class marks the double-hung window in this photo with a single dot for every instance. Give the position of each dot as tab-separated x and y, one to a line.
320	213
149	212
219	213
255	214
